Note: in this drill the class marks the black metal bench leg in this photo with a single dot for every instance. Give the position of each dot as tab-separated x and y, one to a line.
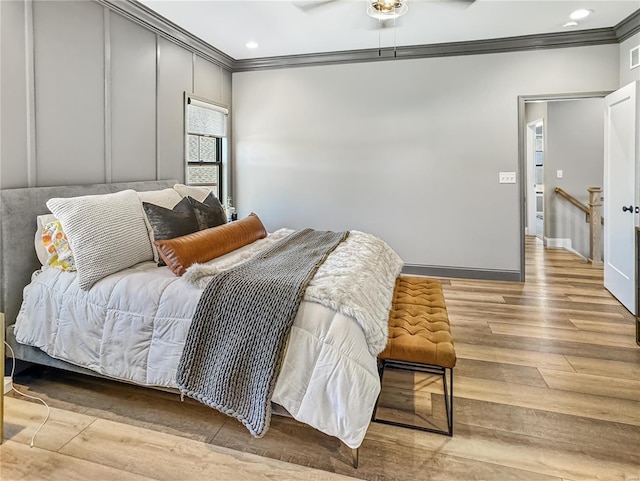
431	369
448	399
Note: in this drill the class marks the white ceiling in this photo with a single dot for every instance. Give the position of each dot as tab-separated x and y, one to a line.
298	27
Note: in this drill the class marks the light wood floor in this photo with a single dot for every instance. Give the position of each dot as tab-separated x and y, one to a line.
547	387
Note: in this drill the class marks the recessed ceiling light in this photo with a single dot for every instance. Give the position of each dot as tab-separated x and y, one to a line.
252	44
580	14
571	23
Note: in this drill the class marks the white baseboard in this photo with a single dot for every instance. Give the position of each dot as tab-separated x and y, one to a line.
557	243
560	243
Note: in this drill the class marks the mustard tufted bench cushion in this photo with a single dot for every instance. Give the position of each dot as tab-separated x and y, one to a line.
419	329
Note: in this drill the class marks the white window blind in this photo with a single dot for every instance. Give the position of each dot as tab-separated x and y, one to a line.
206	121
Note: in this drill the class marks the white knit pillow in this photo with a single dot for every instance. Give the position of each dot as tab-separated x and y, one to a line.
107	233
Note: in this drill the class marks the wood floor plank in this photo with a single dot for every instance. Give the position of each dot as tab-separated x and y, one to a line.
499	372
537	309
613	442
381	459
558	304
126	403
22	463
601	367
23	418
578	404
590	384
417	418
141	451
622	327
481	319
589	299
512	356
534	459
474	297
415	386
587	337
542	345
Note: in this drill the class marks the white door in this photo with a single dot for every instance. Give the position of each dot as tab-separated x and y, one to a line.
621	199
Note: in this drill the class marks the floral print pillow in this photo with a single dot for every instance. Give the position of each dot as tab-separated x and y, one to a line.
55	241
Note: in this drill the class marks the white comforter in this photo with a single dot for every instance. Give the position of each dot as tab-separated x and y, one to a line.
133	324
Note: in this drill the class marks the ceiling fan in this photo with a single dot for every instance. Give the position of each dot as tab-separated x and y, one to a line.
382	10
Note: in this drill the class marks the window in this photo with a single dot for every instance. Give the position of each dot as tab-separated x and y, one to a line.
206	138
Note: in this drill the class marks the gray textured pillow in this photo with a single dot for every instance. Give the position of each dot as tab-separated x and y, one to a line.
170	223
209	212
107	233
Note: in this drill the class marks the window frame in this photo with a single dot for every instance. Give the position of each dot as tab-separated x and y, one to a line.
221	145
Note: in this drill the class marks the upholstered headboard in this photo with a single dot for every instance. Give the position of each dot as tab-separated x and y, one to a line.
18	211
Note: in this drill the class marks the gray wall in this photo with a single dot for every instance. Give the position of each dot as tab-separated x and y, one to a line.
108	96
13	95
418	165
574	144
626	74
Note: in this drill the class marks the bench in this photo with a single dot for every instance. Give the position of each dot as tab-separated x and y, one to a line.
420	340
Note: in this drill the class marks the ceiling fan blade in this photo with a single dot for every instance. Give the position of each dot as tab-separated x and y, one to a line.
309	6
459	3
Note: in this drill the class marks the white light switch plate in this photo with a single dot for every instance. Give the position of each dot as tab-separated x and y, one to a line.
559	174
507	178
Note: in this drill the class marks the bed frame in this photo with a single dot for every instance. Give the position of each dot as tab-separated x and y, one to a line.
18	211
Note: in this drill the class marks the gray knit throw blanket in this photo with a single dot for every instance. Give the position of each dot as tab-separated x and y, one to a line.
236	343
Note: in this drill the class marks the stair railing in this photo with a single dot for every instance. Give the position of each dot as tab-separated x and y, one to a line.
595	219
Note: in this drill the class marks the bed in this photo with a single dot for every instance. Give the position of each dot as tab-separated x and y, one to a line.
133	324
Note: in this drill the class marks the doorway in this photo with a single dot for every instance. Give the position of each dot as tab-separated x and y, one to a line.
533	127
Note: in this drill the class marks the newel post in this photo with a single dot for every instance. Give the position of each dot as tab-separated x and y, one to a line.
595	225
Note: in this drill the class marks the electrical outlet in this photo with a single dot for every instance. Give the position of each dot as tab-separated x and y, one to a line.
507	178
559	174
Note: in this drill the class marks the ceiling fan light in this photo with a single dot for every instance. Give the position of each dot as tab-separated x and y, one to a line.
387	9
386	5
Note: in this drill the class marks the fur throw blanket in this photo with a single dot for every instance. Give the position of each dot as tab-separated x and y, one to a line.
357	279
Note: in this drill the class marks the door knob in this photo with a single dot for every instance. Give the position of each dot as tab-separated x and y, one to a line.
627	209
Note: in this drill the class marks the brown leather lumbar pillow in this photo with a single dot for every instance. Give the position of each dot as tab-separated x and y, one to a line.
202	246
